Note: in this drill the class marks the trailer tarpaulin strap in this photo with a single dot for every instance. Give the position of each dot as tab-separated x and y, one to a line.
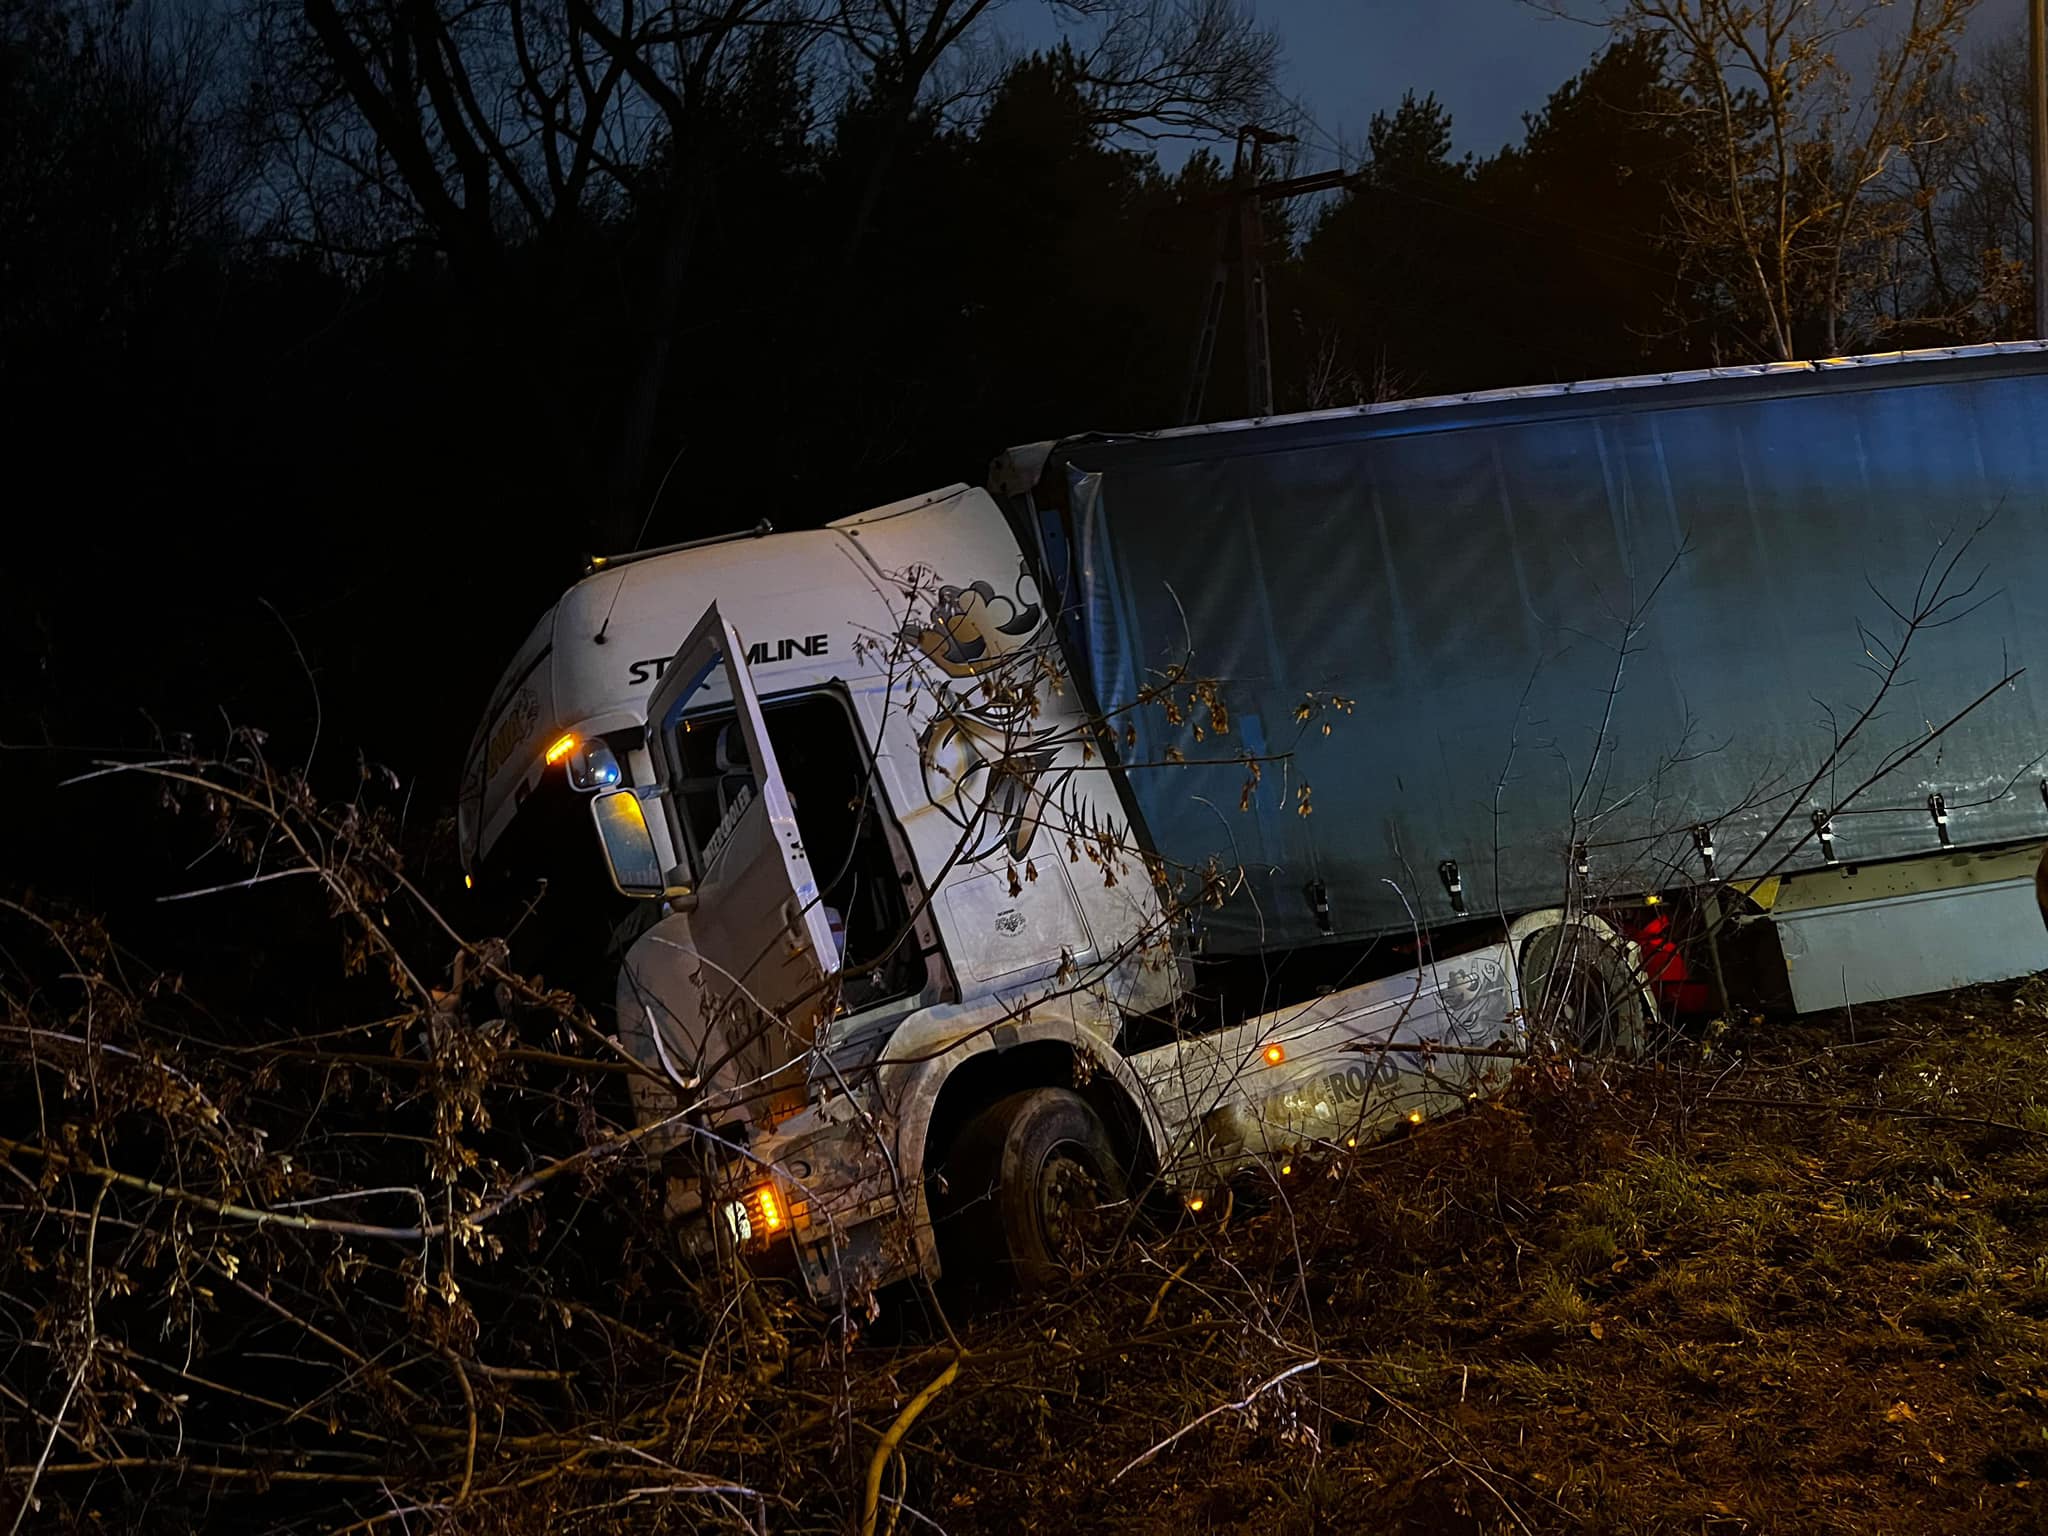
1602	616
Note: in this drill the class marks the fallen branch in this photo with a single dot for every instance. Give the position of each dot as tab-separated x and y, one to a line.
426	1232
1416	1048
893	1437
1242	1403
469	1402
1160	1300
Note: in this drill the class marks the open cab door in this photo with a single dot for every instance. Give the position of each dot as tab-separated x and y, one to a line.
760	942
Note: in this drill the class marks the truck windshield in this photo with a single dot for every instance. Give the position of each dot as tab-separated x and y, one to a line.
832	790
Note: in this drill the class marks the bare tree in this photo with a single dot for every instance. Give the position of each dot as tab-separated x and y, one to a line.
1803	137
119	159
474	128
1953	263
1155	68
482	125
1179	68
1980	231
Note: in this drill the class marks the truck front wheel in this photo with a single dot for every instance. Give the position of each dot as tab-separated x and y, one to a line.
1032	1191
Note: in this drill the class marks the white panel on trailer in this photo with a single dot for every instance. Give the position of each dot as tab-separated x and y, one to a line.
1908	942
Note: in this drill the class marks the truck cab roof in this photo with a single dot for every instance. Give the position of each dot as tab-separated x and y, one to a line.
590	662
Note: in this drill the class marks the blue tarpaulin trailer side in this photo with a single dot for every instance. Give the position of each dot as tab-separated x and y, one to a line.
1622	617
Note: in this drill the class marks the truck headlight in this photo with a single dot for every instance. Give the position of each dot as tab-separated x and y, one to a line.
737	1221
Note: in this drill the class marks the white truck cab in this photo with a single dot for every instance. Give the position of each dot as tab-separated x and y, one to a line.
900	966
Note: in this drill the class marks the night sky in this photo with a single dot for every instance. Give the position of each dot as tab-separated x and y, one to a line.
1488	61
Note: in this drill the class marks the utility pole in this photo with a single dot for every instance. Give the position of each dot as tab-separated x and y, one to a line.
1212	301
1258	332
2037	92
1240	222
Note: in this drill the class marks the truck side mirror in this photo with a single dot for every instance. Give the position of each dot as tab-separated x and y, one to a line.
629	844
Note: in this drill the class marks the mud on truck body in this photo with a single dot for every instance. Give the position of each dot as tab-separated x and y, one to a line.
931	818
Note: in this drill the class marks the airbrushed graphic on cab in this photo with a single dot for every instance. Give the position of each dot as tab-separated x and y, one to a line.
984	761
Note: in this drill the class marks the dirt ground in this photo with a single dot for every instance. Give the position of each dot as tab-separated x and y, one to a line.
1798	1283
1782	1278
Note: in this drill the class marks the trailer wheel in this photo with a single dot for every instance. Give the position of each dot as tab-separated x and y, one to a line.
1033	1192
1579	988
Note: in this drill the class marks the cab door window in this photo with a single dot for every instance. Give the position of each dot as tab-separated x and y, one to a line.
836	799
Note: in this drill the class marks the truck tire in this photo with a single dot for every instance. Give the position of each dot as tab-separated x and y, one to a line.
1032	1192
1580	988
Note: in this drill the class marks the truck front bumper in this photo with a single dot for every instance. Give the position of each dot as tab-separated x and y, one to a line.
824	1184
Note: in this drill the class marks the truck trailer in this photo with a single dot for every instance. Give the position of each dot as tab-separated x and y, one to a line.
1194	800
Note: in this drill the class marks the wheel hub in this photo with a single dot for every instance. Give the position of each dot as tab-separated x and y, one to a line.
1070	1207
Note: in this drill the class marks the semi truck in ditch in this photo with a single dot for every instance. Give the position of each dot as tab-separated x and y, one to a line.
1186	801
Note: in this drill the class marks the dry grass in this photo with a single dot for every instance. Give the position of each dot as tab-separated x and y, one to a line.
1625	1309
1796	1284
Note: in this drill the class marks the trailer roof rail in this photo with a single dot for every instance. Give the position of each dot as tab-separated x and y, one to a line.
1647	381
